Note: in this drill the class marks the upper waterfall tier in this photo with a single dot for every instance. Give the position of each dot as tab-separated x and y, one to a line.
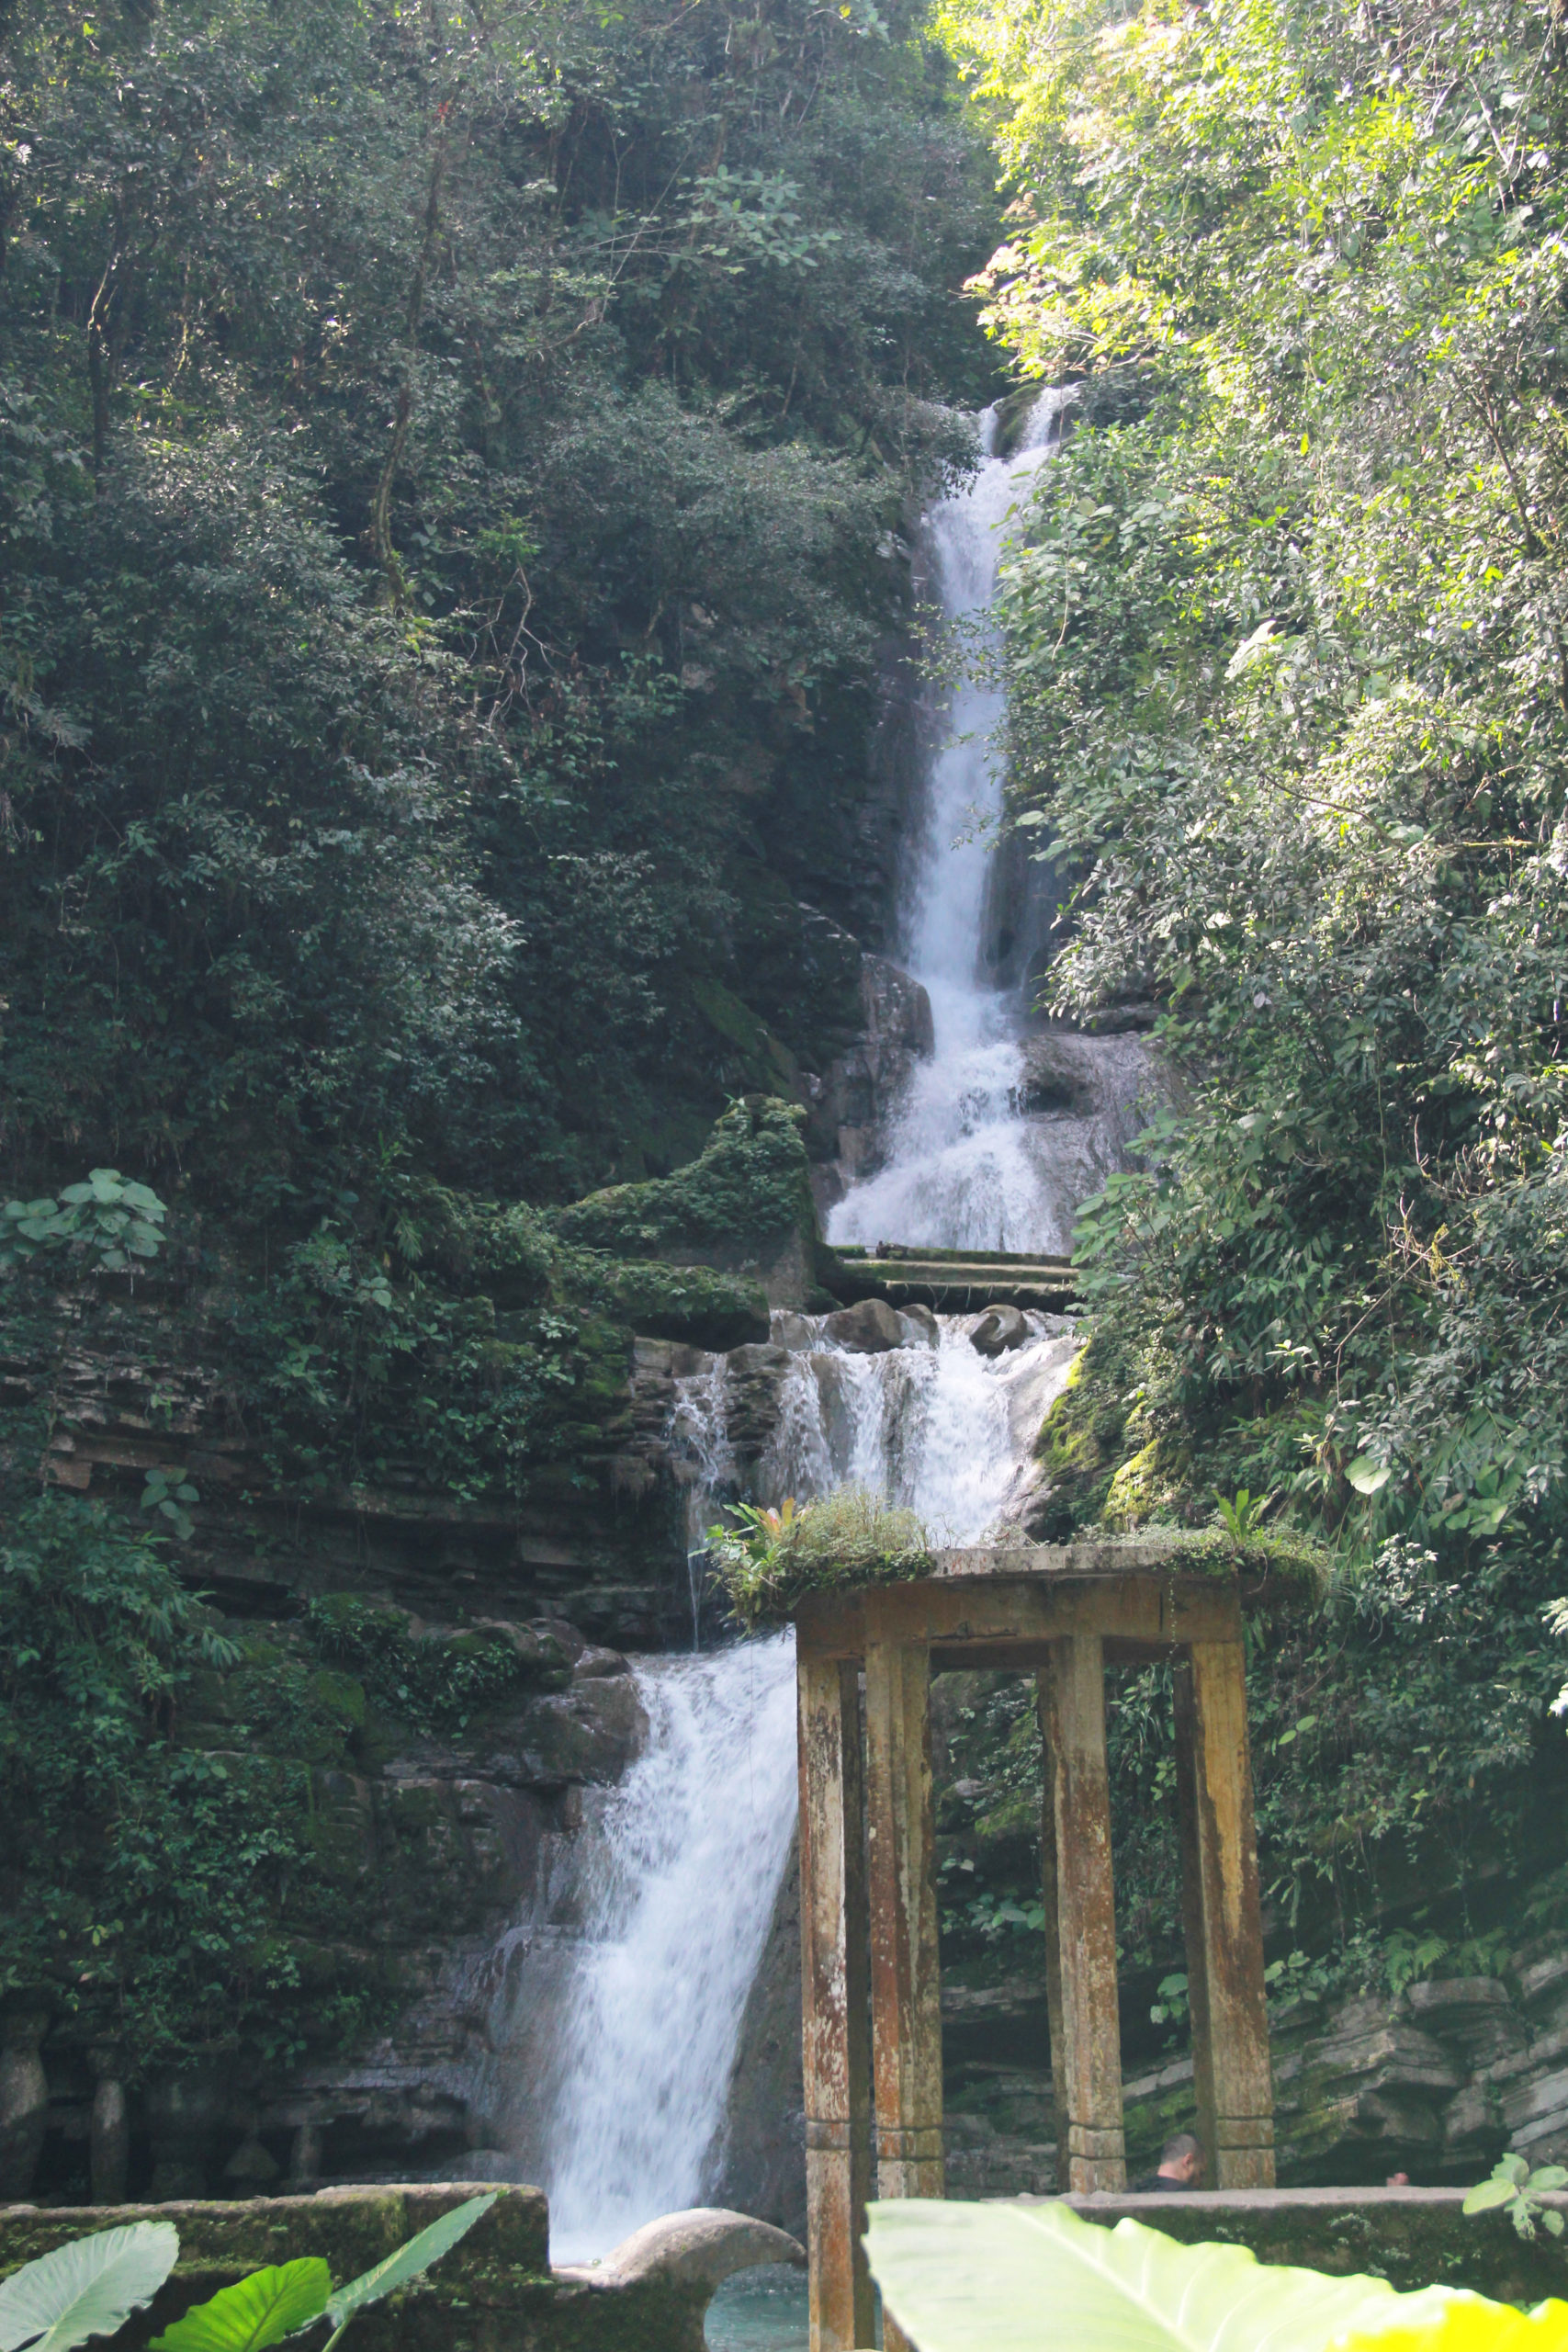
1007	1127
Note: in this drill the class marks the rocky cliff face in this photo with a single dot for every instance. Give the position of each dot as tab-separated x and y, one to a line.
1437	2084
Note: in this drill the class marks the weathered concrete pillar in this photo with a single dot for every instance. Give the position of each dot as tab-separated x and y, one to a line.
23	2102
906	1976
305	2156
1222	1917
108	2130
906	1982
1053	1927
834	1936
1085	2057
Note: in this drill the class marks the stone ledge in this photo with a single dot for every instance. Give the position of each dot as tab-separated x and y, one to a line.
1412	2237
494	2292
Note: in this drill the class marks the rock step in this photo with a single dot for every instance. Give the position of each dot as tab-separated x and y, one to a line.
906	1252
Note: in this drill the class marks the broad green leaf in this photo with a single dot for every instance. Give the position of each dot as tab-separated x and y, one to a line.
1369	1477
1487	2193
958	2277
254	2312
88	2287
1441	2320
408	2261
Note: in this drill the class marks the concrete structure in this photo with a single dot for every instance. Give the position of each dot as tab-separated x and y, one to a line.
871	1988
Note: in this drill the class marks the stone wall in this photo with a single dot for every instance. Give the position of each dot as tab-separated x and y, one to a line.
1412	2237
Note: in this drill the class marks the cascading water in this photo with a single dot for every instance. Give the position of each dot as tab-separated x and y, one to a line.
624	2061
693	1844
969	1163
938	1427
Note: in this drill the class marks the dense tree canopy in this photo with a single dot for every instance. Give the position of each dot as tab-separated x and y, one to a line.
1289	714
449	467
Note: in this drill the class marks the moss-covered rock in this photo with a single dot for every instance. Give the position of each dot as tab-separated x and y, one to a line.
696	1303
749	1186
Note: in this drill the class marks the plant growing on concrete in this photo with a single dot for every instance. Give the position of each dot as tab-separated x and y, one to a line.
90	2287
1241	1516
1511	2182
956	2276
766	1560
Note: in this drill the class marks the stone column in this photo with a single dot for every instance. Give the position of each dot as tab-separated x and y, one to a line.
834	2036
109	2135
905	1977
1087	2058
23	2102
1223	1917
1053	1927
906	1984
305	2156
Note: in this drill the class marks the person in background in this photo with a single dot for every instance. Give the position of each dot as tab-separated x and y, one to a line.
1180	2167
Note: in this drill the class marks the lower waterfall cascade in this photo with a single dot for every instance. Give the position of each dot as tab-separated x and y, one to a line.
654	1916
693	1845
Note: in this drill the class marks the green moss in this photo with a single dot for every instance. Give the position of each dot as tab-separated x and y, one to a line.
1136	1489
690	1303
749	1184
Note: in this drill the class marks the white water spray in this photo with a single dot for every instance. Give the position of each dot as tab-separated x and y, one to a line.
943	1430
692	1851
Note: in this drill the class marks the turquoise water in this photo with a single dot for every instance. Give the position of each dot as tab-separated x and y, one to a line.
760	2310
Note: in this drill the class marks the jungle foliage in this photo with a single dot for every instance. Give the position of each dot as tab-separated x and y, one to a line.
449	465
1288	718
186	1883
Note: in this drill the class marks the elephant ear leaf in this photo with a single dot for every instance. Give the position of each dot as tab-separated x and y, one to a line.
254	2312
409	2262
88	2287
956	2276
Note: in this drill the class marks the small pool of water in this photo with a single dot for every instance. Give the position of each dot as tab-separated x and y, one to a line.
760	2310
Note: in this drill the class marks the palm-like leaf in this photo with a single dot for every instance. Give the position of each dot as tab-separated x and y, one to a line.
86	2287
254	2312
959	2277
409	2260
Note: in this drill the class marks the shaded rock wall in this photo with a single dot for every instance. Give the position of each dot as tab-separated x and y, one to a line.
1437	2084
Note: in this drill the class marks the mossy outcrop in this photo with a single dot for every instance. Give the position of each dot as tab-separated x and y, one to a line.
743	1206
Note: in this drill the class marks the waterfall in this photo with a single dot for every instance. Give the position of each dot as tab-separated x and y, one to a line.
973	1161
651	1929
940	1428
691	1851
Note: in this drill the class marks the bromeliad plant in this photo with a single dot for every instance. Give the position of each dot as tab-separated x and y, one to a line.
958	2277
767	1559
91	2286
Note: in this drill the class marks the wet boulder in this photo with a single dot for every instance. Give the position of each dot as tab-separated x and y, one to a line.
868	1328
1001	1328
